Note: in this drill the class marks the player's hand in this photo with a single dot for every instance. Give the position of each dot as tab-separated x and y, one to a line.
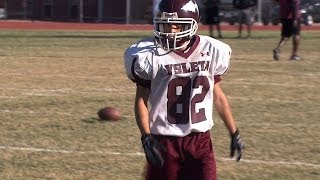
152	149
236	145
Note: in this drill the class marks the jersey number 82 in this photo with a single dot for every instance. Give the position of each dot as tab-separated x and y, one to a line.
180	101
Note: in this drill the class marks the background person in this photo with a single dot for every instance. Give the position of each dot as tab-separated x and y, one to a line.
212	16
246	14
291	26
178	77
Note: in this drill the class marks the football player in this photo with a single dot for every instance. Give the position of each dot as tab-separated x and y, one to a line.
178	75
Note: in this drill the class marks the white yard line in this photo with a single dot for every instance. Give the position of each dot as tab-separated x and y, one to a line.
263	99
57	75
8	97
59	92
291	163
31	149
66	90
270	84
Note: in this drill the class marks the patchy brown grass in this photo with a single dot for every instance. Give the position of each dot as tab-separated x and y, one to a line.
53	83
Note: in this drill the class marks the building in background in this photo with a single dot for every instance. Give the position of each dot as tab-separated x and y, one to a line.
126	11
109	11
2	9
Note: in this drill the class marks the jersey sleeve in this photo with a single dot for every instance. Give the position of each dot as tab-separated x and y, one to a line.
137	61
222	61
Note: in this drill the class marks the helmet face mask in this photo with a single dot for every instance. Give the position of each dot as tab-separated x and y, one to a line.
173	15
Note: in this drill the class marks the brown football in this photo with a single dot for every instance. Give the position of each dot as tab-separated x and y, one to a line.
109	113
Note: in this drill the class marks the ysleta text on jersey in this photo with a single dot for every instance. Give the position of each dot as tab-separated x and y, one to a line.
182	68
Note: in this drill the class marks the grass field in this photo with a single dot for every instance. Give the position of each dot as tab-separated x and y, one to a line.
53	83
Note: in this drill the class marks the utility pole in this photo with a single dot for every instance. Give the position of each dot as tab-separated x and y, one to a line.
100	10
259	12
24	5
5	9
128	13
81	11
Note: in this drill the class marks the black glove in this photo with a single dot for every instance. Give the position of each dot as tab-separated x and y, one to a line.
236	144
152	149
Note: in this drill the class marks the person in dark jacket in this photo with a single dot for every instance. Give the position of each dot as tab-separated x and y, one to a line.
246	14
212	16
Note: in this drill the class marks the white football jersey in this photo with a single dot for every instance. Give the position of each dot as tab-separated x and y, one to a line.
181	84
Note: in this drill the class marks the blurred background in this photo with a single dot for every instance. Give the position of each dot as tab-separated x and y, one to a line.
139	12
267	12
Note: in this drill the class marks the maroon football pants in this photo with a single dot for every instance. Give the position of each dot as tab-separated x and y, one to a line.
186	158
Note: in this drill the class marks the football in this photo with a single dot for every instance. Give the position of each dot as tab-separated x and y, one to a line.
109	113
